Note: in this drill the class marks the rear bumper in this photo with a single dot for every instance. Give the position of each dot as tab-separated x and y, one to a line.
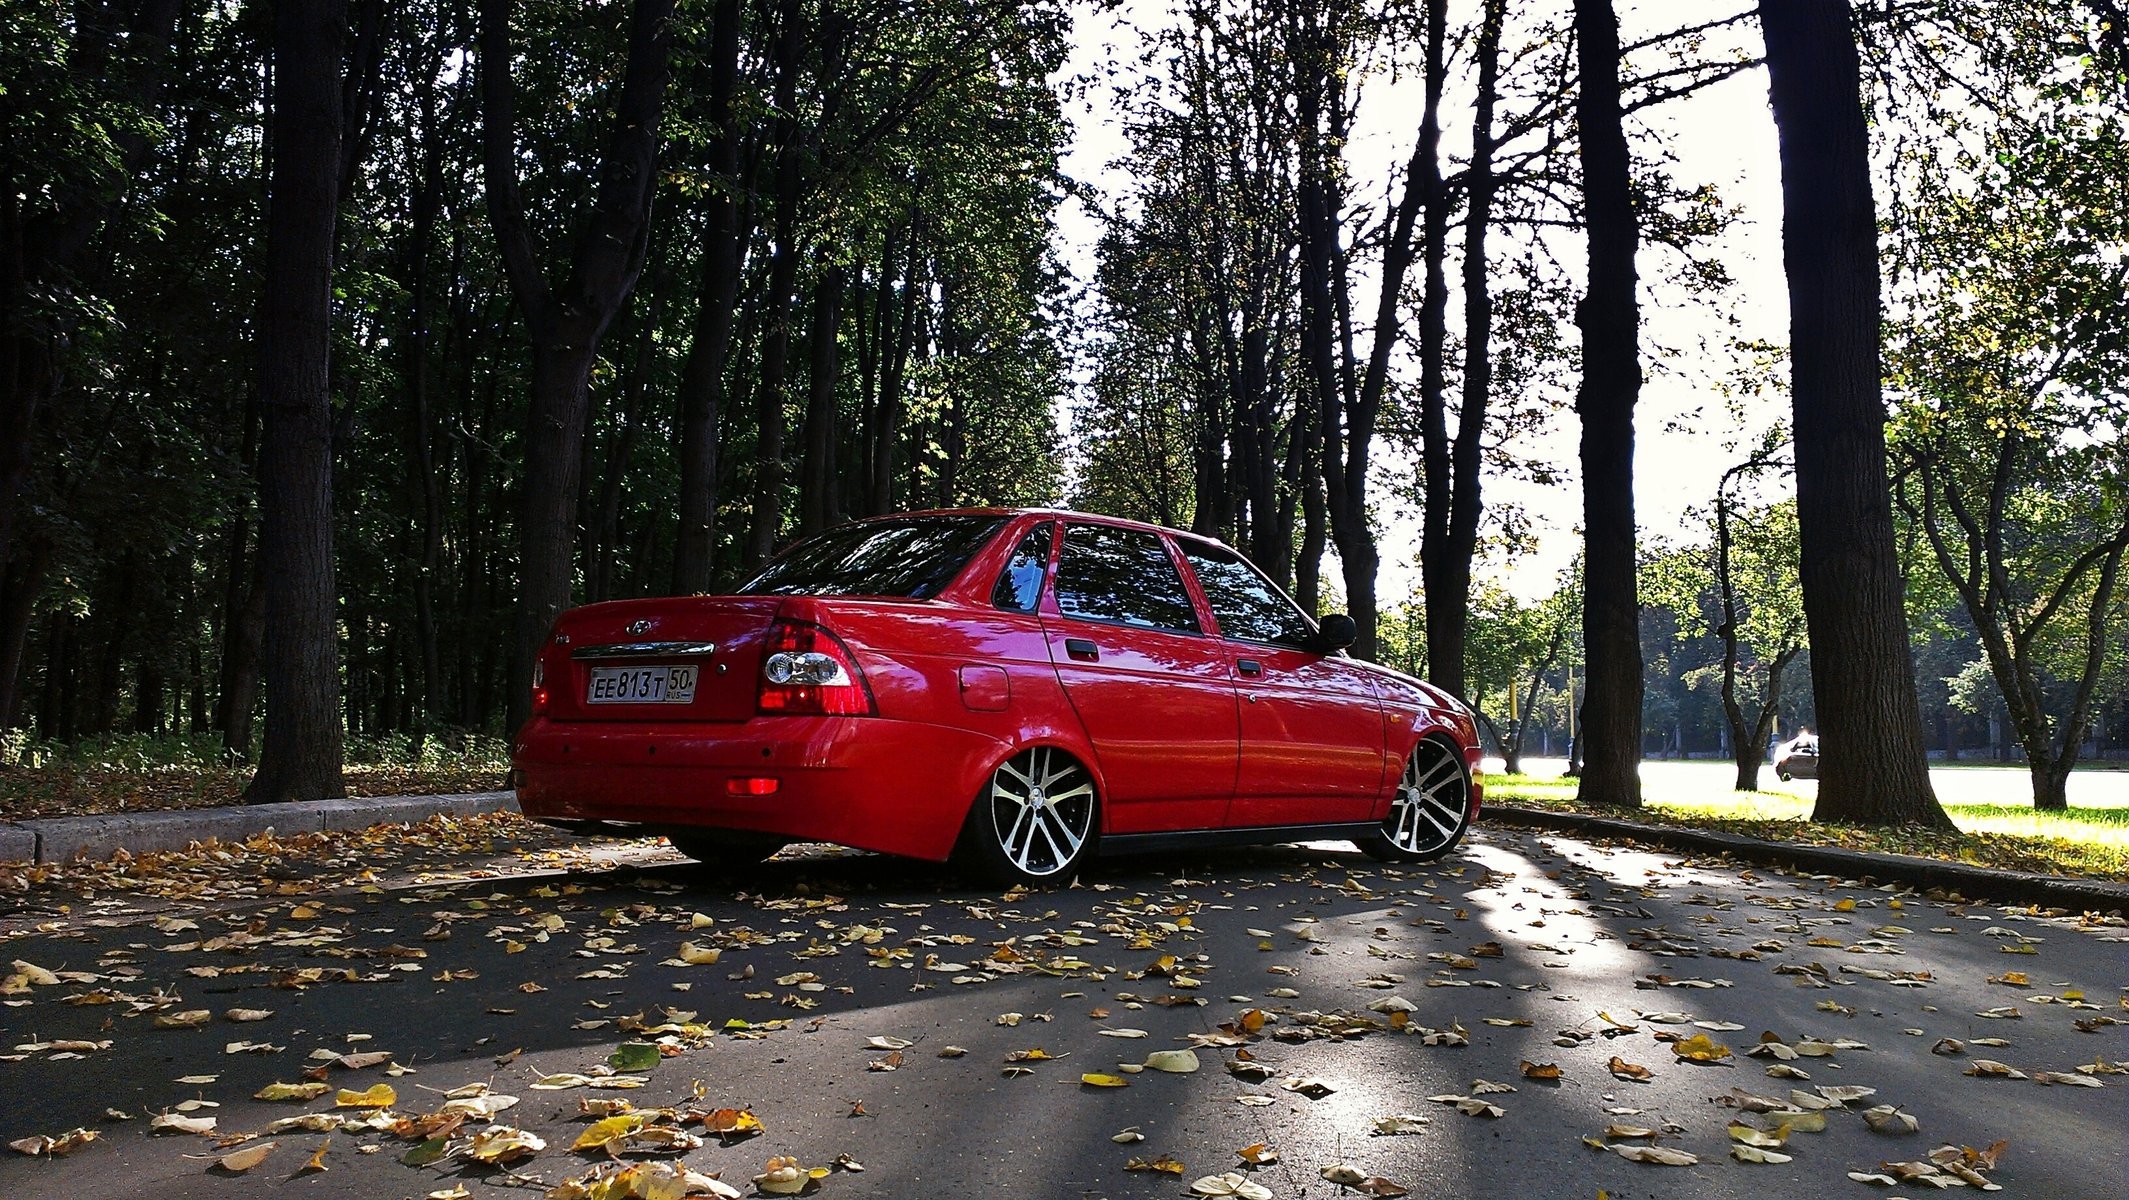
898	787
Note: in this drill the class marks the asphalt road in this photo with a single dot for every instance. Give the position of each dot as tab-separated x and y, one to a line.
1965	784
505	957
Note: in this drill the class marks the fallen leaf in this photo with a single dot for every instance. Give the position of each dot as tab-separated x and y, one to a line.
1175	1062
502	1144
1623	1069
1701	1049
1659	1155
1104	1081
379	1095
1164	1165
1231	1183
247	1158
56	1147
1755	1154
788	1177
1533	1070
1887	1118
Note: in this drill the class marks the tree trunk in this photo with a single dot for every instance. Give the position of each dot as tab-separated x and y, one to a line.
566	320
300	756
21	583
1451	532
1872	768
818	504
766	526
1610	320
702	378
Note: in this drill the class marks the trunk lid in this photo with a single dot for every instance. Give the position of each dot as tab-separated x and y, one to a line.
683	658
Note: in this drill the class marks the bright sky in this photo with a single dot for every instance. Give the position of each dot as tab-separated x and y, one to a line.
1723	135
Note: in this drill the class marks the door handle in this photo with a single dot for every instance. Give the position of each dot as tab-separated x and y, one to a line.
1081	648
1249	666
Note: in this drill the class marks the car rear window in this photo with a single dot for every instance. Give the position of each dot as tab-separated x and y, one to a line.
911	558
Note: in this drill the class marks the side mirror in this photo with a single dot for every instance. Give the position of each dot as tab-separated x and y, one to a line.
1333	632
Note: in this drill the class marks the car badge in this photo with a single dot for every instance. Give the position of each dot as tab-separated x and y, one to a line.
639	627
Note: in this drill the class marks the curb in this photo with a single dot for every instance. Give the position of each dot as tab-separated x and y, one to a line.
64	839
1971	882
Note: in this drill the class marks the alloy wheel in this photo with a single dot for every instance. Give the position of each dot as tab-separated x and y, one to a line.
1428	813
1041	804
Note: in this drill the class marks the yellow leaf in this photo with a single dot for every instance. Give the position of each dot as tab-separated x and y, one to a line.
1844	906
317	1158
699	956
1700	1048
1104	1081
732	1123
1164	1164
378	1095
247	1158
611	1129
292	1091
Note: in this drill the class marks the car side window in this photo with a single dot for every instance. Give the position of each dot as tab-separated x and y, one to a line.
1107	573
1247	605
1019	586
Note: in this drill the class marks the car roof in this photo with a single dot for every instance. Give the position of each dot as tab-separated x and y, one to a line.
1059	513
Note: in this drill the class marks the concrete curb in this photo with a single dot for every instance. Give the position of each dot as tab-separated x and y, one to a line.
2015	887
64	839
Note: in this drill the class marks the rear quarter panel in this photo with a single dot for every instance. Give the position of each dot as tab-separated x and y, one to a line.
938	663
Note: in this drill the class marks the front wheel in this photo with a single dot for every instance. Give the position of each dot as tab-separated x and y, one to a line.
1430	812
1034	821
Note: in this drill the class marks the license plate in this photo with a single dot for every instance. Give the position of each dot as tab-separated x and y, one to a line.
641	685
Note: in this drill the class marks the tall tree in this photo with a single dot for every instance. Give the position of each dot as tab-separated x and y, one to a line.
1610	320
702	381
1450	537
565	318
300	757
1872	767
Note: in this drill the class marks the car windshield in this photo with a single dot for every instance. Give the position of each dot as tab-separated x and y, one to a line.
910	558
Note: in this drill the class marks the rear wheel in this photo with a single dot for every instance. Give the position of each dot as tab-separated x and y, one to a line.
1430	811
726	847
1034	820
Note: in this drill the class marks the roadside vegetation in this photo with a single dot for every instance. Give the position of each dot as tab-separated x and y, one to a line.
144	773
2091	841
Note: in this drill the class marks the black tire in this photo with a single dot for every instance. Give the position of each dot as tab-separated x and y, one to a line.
726	847
1034	822
1431	810
1784	776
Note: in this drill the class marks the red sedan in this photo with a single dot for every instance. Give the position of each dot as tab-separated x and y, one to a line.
1020	689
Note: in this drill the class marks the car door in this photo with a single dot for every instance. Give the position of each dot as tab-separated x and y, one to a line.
1312	726
1151	688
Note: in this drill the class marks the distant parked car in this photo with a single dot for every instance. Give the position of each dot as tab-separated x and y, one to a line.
1797	758
1019	686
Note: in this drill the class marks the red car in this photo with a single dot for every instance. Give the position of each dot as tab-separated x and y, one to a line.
1016	688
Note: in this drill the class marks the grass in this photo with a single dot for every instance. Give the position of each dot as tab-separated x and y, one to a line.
132	773
2085	841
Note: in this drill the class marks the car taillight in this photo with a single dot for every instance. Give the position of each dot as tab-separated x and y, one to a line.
539	684
807	670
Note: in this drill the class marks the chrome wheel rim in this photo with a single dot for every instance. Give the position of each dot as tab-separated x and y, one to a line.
1042	810
1428	810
